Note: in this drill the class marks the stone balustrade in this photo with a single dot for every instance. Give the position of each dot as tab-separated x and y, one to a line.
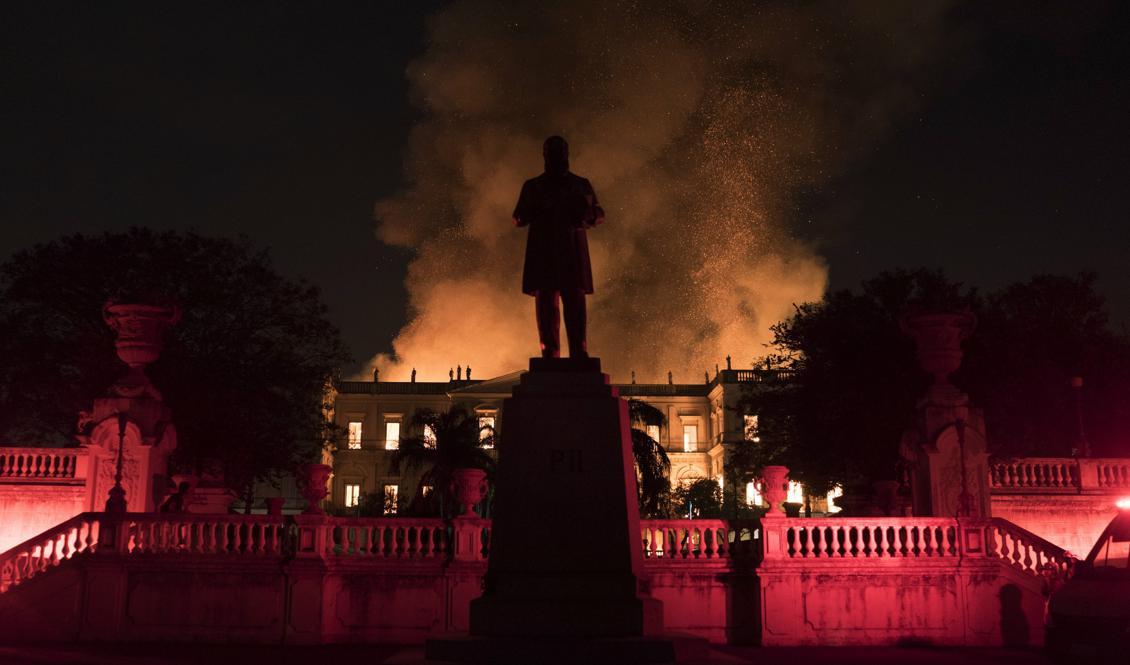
183	533
860	538
1027	552
1051	475
680	540
78	535
43	464
315	578
384	538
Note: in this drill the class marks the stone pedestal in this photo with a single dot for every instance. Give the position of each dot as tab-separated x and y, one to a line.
562	581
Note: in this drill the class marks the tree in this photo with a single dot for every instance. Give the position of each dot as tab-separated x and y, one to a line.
1033	337
455	441
245	371
652	464
699	499
855	379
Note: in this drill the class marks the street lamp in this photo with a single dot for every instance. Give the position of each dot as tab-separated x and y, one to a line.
116	504
965	499
1082	445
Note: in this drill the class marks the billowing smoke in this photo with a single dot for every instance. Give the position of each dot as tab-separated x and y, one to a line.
698	123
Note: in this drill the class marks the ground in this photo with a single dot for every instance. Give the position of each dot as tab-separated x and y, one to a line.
168	654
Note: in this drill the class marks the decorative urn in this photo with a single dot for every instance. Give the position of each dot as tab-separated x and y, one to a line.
938	337
314	478
470	486
139	330
776	488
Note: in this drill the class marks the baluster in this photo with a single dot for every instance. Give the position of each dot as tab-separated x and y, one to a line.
881	545
225	538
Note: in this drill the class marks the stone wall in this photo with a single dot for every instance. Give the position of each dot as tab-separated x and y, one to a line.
1071	521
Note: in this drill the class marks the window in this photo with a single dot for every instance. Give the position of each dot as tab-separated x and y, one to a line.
795	493
751	431
653	432
485	422
429	437
352	495
836	493
425	490
752	495
392	434
354	435
391	492
690	438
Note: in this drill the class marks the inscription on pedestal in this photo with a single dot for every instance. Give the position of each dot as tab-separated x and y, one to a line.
564	460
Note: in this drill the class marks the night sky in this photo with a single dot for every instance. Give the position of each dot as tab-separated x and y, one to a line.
287	122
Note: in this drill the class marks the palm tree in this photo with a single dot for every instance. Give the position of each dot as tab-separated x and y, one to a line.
456	441
652	465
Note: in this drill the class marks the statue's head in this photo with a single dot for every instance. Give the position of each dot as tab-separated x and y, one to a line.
556	153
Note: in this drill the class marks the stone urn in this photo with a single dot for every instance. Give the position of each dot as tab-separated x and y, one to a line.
469	486
938	338
313	479
776	488
139	331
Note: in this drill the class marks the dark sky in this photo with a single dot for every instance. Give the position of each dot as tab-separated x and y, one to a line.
286	121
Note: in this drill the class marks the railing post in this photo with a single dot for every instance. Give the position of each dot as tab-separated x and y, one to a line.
313	538
1088	474
468	539
773	537
113	534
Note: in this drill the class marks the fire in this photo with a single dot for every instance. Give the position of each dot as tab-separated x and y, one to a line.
697	130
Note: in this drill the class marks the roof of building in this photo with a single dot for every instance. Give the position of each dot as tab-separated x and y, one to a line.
504	383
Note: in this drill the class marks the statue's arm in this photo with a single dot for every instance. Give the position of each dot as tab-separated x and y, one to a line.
594	214
522	210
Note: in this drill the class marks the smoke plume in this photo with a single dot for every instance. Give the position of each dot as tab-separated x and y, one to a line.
698	123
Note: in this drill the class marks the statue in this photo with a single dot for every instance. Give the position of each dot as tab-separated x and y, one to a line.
558	206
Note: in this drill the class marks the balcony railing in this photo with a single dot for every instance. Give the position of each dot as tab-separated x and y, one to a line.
43	464
1052	475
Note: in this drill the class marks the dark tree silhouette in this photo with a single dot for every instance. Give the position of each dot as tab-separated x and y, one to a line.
856	381
652	465
245	371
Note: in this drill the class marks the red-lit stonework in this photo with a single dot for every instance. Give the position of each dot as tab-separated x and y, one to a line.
70	571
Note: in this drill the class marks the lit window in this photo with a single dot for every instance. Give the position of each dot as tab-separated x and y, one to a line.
390	494
690	438
352	495
354	435
836	493
426	490
392	434
751	429
653	432
795	493
752	495
484	423
429	437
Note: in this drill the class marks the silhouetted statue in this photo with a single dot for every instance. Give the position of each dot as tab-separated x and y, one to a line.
558	206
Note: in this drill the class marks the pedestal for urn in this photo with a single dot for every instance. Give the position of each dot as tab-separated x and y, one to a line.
150	436
947	448
562	582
